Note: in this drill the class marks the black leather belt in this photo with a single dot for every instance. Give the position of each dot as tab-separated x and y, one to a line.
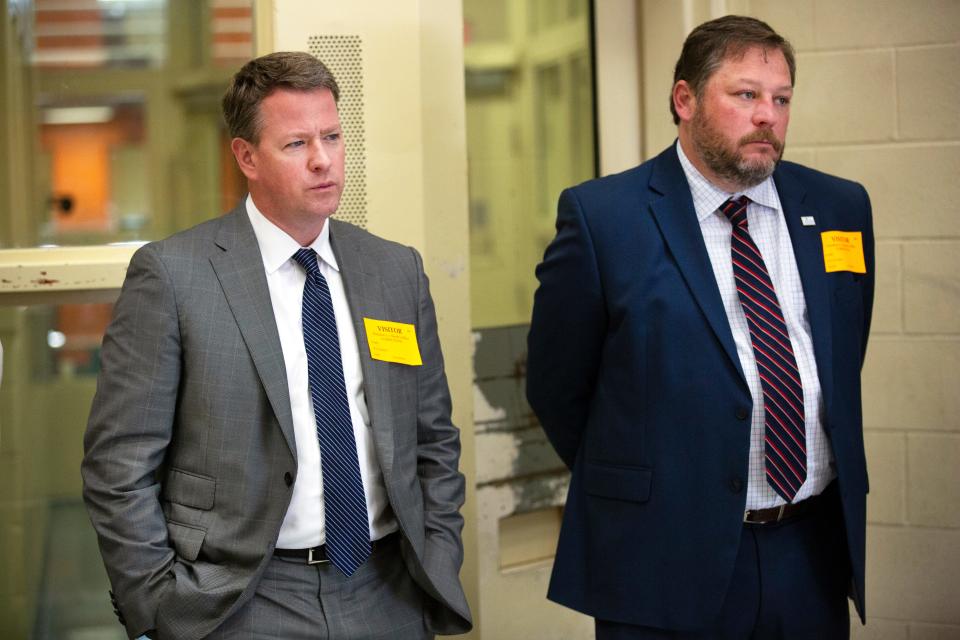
318	555
781	513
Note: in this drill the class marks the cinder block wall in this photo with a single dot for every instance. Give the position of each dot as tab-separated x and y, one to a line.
878	101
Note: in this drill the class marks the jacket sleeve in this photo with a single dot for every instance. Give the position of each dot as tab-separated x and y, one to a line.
130	426
869	251
567	331
438	458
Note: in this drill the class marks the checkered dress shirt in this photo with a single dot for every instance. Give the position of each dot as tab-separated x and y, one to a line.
768	228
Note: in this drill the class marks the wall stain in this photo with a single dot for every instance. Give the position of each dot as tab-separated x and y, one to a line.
537	477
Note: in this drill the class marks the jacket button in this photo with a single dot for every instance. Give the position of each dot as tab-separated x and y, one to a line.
288	478
736	485
742	413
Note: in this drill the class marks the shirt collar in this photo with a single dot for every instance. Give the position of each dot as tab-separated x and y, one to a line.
276	247
707	197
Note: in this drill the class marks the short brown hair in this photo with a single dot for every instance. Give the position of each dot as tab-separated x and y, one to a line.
713	42
262	76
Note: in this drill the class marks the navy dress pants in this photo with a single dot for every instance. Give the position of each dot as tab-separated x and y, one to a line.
790	583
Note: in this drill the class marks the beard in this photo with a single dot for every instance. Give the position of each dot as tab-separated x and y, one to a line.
725	160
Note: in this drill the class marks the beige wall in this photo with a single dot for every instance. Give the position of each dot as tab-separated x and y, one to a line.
618	84
876	101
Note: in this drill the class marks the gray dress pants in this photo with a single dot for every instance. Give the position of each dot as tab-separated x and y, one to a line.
297	601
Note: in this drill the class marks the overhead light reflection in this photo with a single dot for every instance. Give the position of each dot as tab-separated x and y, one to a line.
77	115
56	339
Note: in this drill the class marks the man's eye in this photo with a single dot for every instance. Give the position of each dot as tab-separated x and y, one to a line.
295	143
749	95
783	100
333	137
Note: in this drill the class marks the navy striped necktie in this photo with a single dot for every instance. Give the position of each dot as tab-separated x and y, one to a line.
345	507
785	447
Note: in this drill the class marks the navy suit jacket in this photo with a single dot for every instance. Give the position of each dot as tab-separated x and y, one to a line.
633	372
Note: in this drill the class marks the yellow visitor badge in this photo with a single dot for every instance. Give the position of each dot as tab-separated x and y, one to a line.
843	251
392	341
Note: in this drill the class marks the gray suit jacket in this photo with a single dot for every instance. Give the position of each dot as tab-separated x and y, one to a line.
189	451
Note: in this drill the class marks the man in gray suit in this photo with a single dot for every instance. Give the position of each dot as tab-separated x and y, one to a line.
267	375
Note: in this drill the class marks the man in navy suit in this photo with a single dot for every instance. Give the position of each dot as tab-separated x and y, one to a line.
694	358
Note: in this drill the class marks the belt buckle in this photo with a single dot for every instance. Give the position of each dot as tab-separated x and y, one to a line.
748	519
311	560
780	512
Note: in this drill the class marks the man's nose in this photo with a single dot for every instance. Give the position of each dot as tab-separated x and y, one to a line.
764	113
319	158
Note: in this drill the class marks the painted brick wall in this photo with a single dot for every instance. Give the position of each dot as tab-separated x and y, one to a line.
878	90
878	101
517	473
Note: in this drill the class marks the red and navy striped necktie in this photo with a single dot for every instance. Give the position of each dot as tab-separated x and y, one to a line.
785	448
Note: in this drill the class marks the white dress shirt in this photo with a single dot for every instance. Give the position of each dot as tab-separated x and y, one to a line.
303	526
768	228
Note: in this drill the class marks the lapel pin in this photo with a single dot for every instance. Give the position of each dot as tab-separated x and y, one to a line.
807	221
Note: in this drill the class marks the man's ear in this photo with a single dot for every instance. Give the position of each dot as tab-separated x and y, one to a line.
684	100
245	152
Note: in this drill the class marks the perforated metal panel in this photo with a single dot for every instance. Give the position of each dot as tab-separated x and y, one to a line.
343	55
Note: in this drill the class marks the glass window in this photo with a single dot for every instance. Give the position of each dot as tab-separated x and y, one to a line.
530	133
54	583
110	130
106	33
93	157
64	340
112	115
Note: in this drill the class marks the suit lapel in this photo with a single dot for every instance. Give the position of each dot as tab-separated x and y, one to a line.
808	251
677	220
239	267
365	297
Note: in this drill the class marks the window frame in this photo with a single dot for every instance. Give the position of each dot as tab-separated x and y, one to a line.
62	275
